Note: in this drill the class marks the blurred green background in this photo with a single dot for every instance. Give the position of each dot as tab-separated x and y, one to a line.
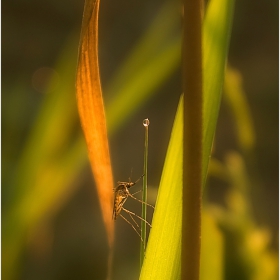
51	224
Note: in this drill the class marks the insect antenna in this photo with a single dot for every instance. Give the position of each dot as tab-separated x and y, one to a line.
138	179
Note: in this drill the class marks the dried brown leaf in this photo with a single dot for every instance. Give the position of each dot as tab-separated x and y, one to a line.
92	115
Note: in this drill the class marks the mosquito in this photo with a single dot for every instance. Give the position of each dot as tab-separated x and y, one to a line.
121	195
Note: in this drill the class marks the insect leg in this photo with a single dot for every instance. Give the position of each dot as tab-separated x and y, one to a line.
134	221
140	200
129	212
132	226
136	192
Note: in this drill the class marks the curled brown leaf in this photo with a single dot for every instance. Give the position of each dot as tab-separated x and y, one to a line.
92	115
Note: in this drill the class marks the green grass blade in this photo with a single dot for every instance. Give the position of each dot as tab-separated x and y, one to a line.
239	105
47	167
144	194
163	252
216	35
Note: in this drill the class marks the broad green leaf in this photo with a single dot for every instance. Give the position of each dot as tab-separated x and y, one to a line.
163	252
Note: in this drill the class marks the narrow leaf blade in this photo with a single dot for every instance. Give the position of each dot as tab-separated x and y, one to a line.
216	35
91	111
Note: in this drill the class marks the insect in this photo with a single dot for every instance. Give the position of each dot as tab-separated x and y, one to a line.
121	195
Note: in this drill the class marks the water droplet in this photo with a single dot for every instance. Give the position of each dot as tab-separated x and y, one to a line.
146	122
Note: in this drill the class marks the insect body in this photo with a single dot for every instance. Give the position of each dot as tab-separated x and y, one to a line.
121	195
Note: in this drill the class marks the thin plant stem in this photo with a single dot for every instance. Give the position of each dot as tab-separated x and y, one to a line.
192	145
144	195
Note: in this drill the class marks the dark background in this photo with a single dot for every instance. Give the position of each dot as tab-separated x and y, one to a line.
34	34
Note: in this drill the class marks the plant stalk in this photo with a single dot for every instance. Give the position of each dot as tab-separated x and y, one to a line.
192	146
144	195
